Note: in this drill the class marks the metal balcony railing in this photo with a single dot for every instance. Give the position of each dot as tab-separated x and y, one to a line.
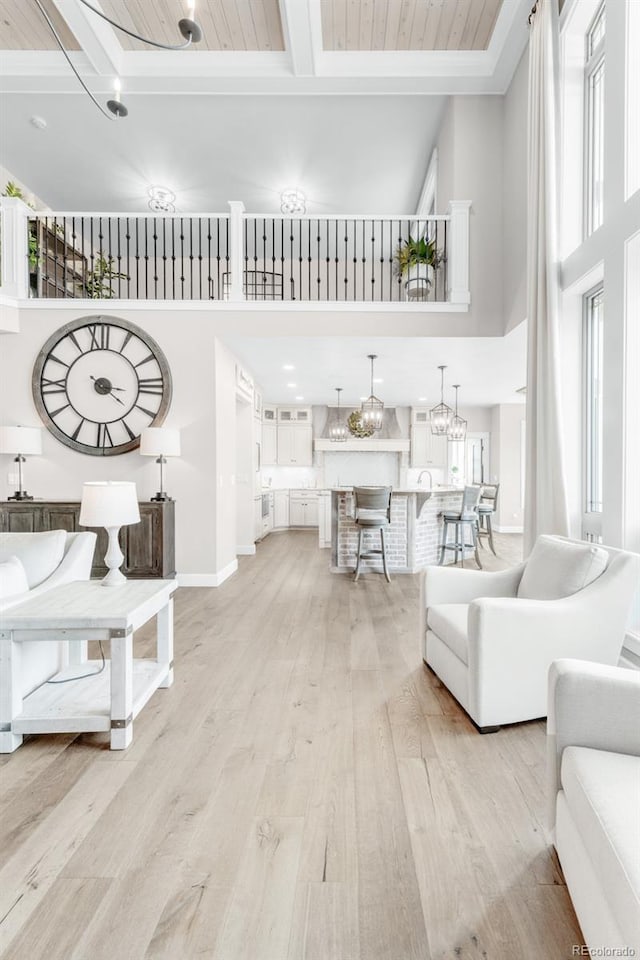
235	257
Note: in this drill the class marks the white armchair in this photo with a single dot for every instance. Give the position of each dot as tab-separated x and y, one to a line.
491	637
593	741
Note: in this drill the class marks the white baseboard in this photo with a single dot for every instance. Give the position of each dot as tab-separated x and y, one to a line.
207	579
246	551
507	529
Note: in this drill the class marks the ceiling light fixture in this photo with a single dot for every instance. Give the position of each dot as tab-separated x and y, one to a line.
458	426
161	200
292	386
288	366
338	432
187	26
372	407
293	201
441	414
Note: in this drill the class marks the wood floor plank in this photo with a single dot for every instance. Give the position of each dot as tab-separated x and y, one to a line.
390	916
32	870
258	921
306	790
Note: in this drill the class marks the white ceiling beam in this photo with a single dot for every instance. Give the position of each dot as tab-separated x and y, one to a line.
302	29
95	36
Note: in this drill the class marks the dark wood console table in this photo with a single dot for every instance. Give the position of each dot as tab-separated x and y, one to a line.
148	546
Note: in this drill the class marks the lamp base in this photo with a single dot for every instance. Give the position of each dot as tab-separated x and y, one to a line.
115	578
21	495
161	497
113	559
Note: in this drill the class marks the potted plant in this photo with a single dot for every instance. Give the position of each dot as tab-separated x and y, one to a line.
97	283
416	261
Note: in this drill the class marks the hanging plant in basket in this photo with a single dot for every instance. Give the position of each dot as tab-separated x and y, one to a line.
356	426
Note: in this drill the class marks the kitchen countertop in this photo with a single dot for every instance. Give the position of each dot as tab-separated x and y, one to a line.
405	490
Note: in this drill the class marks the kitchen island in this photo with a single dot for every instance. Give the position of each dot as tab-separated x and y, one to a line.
413	539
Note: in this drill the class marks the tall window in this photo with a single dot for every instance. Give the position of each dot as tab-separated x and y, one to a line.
593	330
594	121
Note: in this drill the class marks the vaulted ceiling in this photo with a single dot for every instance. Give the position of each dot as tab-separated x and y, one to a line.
339	98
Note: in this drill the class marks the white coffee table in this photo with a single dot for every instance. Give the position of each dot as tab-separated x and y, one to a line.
77	613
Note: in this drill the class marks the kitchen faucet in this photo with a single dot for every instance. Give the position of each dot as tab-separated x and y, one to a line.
420	476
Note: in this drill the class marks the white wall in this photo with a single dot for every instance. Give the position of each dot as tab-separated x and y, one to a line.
514	212
470	161
507	421
201	480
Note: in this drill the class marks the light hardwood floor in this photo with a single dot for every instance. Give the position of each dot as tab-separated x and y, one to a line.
306	790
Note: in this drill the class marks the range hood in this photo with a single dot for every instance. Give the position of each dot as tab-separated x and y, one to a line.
366	445
386	440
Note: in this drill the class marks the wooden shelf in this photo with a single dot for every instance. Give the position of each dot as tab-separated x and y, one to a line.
84	705
61	268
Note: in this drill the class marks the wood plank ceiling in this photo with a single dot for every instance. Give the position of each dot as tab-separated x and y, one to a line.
22	27
408	24
226	24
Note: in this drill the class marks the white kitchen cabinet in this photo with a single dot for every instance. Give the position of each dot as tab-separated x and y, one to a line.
303	508
269	444
257	519
427	450
324	518
295	445
294	415
280	508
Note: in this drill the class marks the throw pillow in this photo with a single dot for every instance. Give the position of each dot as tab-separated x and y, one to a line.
557	568
13	579
39	553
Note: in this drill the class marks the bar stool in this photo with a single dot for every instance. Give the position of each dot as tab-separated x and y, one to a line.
372	512
459	520
485	509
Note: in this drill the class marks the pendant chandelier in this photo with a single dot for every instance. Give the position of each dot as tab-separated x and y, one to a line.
338	432
372	407
458	427
441	415
187	26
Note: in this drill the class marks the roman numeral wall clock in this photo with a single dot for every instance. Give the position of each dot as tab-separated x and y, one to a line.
98	382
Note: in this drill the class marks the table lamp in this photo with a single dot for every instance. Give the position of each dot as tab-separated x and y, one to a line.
21	440
160	442
111	504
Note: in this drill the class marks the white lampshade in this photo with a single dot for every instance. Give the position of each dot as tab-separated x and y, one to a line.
160	442
108	503
24	440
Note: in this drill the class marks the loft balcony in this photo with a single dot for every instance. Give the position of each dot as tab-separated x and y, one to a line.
236	259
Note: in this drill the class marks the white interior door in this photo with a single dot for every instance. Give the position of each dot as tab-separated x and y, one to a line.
477	458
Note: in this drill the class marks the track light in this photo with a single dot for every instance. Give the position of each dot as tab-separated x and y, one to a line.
187	26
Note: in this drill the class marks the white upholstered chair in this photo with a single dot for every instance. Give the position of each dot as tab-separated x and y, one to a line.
593	739
491	637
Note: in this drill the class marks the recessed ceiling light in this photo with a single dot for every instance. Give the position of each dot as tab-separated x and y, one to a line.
362	399
288	366
292	386
422	399
299	398
378	380
38	122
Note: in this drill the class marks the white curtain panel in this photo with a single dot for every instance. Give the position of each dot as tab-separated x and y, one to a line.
545	492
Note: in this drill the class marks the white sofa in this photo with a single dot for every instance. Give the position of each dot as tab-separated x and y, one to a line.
594	797
491	637
47	559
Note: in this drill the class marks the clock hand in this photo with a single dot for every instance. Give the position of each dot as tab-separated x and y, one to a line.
116	398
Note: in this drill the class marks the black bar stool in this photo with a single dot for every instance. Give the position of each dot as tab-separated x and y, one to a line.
372	512
466	516
487	506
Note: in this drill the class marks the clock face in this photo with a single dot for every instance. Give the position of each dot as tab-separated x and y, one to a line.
98	382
